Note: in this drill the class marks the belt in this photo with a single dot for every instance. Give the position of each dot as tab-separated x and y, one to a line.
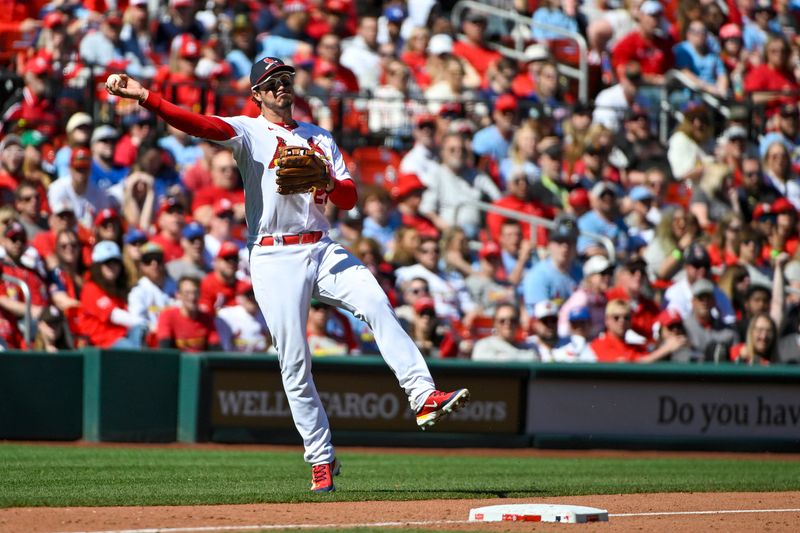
301	238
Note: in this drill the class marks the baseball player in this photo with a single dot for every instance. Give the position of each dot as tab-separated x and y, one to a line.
290	170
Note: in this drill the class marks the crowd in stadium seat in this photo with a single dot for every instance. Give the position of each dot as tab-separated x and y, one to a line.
668	210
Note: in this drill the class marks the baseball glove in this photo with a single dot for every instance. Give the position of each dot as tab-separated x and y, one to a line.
300	170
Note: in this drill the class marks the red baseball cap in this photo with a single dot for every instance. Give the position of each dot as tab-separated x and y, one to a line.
170	202
37	65
81	158
53	19
222	206
669	317
579	198
228	249
425	118
104	215
189	47
405	185
489	249
730	31
294	6
506	102
424	304
761	210
337	6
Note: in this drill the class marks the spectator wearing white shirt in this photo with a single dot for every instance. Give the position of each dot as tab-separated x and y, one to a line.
86	199
242	327
360	53
422	159
502	346
155	290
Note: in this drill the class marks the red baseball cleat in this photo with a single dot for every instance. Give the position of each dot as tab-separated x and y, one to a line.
440	404
322	476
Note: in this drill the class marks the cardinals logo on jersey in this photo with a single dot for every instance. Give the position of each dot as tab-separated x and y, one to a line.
273	162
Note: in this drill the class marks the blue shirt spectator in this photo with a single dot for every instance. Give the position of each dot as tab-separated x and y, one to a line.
552	16
708	67
185	155
546	282
593	222
489	141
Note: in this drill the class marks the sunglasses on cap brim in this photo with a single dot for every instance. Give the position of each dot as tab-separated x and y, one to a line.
271	83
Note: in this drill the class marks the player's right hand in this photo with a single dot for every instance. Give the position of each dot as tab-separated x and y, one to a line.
125	87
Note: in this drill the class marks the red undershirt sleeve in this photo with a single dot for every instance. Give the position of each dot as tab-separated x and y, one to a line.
203	126
344	195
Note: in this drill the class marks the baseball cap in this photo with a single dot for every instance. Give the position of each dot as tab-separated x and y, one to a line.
635	243
651	8
266	67
439	44
579	199
294	6
15	229
694	108
763	5
394	13
702	286
579	314
602	187
730	31
63	206
189	47
104	132
424	119
782	205
104	215
9	140
37	65
536	52
135	236
337	6
193	230
489	249
669	317
454	109
565	230
170	202
734	131
105	251
150	249
228	249
696	255
424	303
761	210
640	193
32	138
53	19
81	158
222	206
77	120
506	102
595	265
544	309
406	184
552	147
180	3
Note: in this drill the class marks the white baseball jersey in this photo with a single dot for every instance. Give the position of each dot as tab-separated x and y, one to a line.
255	149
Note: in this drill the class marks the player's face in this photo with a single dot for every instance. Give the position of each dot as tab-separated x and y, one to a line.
277	92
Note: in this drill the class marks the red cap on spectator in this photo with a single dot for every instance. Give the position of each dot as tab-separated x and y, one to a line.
53	19
730	31
37	64
81	158
15	229
222	206
424	304
425	118
579	199
337	6
406	184
506	102
490	249
761	210
180	3
189	48
169	203
782	205
669	317
228	249
105	214
451	107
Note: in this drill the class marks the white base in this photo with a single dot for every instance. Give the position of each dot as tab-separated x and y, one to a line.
530	512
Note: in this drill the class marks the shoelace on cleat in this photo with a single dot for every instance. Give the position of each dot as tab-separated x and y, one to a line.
319	473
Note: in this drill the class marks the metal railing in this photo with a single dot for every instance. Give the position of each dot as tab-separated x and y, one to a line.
581	73
27	320
535	221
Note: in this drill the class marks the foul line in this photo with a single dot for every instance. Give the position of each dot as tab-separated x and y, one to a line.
407	523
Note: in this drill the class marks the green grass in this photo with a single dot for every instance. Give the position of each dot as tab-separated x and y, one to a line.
78	476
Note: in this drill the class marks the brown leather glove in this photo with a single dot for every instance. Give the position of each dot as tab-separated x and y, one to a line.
300	170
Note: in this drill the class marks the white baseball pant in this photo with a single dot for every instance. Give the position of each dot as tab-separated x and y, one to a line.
284	280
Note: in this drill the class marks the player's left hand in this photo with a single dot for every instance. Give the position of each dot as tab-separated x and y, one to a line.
300	170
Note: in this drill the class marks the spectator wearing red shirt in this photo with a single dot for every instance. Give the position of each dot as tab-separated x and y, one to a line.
171	219
127	148
103	316
35	108
198	174
611	346
474	49
225	184
329	52
21	262
631	280
524	84
61	218
645	45
218	288
774	74
519	199
181	81
187	327
407	194
12	156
